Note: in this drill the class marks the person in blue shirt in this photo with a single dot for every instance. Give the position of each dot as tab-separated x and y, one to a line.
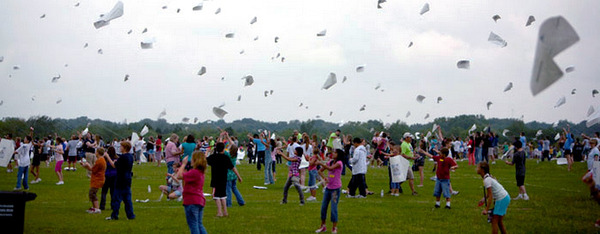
260	149
122	182
188	148
568	147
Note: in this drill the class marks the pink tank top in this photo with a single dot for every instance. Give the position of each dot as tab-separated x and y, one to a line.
335	177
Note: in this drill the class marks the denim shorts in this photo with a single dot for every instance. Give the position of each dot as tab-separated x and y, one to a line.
395	186
501	205
312	177
442	186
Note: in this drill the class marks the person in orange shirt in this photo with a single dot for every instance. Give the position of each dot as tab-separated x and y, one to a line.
97	179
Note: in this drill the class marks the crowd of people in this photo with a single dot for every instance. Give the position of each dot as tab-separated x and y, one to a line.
109	165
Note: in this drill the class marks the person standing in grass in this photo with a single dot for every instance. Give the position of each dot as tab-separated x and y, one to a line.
123	182
313	173
333	190
294	173
232	178
58	156
193	196
493	191
23	162
220	163
442	182
407	153
110	177
519	163
359	169
97	179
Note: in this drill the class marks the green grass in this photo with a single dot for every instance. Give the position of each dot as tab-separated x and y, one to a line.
559	203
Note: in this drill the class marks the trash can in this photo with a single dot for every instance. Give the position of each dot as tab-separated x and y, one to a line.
12	210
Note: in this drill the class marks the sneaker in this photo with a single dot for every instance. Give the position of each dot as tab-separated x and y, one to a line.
455	192
109	218
370	193
15	189
420	185
307	191
344	191
60	182
302	203
415	193
34	182
39	180
266	183
437	206
348	196
360	196
90	210
283	202
96	211
311	198
518	197
396	194
525	197
494	162
433	178
447	207
180	198
334	230
321	229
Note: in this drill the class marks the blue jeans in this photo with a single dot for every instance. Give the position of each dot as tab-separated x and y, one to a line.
170	168
23	172
332	195
193	215
231	185
122	194
312	178
442	187
268	170
477	155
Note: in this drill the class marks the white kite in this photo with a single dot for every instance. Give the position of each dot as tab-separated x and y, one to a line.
496	18
508	87
590	111
219	112
538	133
144	130
504	132
229	35
85	132
473	128
248	80
105	19
331	80
134	138
425	9
253	20
435	126
570	69
556	35
147	43
494	38
198	7
426	116
594	118
202	71
557	136
463	64
322	33
488	105
162	114
560	102
594	92
530	20
360	68
7	149
439	99
407	114
420	98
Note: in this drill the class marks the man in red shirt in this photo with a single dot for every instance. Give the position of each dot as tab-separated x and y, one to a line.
442	183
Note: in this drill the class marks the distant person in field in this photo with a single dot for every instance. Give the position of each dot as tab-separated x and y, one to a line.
568	147
72	153
37	145
359	169
193	195
23	161
88	148
294	173
232	178
172	153
159	150
220	163
333	190
122	191
593	154
407	152
442	182
519	162
493	192
58	156
97	179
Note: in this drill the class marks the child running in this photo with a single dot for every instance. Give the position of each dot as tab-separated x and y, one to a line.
333	189
494	190
442	182
193	199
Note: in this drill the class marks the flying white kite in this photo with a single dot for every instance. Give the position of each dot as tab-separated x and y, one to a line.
463	64
494	38
425	9
219	112
508	87
560	102
331	80
420	98
530	20
105	19
144	130
556	35
322	33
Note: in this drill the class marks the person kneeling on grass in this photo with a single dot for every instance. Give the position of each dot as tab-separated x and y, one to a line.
494	190
333	189
194	201
442	182
97	179
173	189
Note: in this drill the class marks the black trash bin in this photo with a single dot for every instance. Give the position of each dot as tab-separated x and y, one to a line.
12	210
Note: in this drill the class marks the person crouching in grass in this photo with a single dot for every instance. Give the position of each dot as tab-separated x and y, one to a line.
442	182
494	190
97	179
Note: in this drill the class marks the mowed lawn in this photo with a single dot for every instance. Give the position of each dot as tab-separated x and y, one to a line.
560	203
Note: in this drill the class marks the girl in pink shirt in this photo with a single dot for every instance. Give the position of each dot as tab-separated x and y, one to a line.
333	189
193	196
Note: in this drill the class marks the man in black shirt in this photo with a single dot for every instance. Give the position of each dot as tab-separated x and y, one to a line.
220	164
519	163
122	192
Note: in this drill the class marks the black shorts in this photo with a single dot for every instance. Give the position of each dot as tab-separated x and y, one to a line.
36	160
568	151
72	158
44	157
220	191
520	181
420	162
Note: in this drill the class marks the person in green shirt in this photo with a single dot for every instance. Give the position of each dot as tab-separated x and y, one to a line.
407	152
332	137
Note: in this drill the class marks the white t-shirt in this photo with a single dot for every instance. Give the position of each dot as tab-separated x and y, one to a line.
307	152
498	192
456	146
291	149
139	145
23	154
590	160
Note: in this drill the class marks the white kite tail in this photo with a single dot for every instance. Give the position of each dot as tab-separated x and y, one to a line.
316	186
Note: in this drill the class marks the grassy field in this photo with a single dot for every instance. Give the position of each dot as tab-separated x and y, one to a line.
559	203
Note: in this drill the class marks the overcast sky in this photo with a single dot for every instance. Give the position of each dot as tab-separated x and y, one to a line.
358	33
